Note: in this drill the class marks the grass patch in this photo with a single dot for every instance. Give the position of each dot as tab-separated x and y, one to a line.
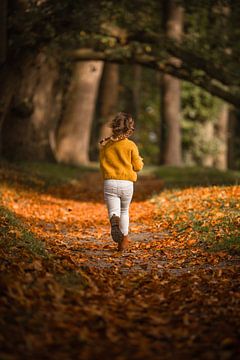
46	174
54	174
177	177
229	243
217	233
13	232
18	245
207	217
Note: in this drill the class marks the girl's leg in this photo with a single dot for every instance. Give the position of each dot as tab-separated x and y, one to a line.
114	208
111	198
126	197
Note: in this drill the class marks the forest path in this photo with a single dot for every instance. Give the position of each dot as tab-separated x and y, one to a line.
73	220
165	297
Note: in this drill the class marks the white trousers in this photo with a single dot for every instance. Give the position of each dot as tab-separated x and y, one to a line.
118	195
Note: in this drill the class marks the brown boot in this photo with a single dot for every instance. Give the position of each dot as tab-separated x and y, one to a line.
123	245
116	233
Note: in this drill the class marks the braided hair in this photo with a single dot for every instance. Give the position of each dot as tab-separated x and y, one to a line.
122	127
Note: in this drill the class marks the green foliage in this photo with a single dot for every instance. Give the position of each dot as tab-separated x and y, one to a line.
75	23
211	28
136	28
199	108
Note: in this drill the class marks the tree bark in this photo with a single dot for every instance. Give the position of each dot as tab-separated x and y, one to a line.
233	140
170	147
9	82
73	136
208	157
137	74
108	98
31	118
3	31
221	162
6	86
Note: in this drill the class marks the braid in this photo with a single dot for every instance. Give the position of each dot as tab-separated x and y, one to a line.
104	140
114	138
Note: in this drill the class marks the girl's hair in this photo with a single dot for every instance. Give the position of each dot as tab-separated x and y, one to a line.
122	124
122	127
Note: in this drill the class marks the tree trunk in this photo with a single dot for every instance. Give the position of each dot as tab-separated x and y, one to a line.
72	142
208	158
5	86
170	151
108	98
3	31
28	124
233	140
137	74
9	82
222	136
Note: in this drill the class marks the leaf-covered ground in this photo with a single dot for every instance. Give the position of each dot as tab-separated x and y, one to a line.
66	293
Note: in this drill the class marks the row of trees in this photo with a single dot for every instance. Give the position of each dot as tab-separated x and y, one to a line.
62	79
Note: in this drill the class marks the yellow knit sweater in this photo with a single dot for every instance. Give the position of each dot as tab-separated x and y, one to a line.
120	160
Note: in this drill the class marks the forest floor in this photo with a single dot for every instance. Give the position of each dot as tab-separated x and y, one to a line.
66	293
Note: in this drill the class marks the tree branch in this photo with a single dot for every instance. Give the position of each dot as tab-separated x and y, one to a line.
180	51
181	71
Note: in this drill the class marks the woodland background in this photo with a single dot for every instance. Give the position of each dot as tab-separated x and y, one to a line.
68	66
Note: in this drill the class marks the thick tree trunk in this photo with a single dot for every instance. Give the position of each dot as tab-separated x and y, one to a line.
137	74
5	86
208	157
222	136
108	98
233	140
9	82
3	31
28	124
171	153
72	141
170	147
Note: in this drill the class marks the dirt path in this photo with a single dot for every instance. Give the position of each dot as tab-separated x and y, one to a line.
74	221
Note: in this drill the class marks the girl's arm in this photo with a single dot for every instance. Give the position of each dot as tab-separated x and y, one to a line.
137	161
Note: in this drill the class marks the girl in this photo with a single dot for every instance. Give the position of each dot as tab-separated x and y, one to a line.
119	163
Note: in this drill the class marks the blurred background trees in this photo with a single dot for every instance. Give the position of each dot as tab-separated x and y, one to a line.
68	66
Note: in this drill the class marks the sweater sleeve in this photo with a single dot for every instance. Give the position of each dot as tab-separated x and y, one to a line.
137	161
100	156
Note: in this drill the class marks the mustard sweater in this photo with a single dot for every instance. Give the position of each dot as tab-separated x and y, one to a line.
120	160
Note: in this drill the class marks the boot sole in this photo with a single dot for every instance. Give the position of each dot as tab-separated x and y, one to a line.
116	233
